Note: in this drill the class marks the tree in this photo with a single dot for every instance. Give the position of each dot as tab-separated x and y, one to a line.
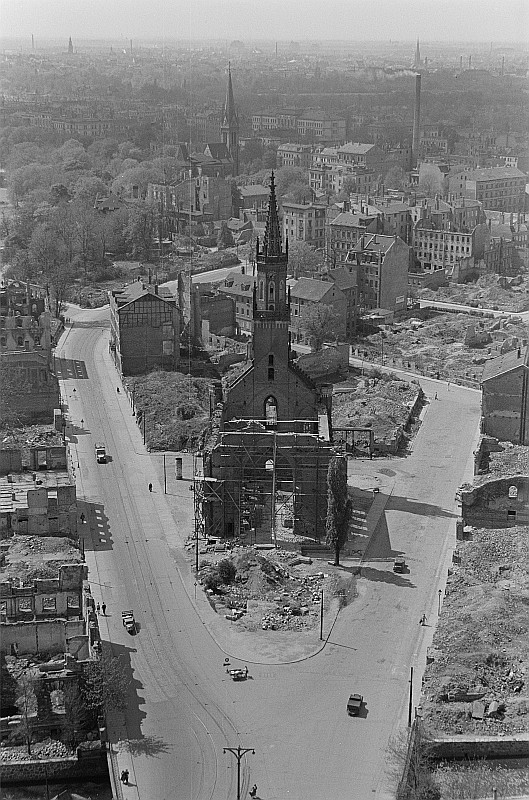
411	760
299	193
141	227
104	685
395	178
49	256
430	180
225	236
319	323
285	177
29	688
302	259
338	506
77	717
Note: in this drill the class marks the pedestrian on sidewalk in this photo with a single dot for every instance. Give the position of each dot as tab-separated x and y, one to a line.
124	777
98	608
104	609
253	790
435	398
422	620
82	519
150	487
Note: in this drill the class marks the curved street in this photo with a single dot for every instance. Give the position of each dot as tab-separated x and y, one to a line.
183	709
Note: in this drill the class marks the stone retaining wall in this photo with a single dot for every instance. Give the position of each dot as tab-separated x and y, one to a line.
457	748
86	766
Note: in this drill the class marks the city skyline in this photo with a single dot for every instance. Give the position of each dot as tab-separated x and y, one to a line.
393	20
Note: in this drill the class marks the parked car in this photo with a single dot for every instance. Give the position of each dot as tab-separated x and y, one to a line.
354	704
399	564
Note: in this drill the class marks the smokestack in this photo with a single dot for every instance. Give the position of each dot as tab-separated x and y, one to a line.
470	62
32	42
502	66
131	46
461	63
416	122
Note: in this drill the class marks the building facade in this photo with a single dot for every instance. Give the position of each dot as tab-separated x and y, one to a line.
304	222
496	188
505	397
144	329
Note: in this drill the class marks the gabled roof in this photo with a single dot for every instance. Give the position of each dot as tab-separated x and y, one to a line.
348	219
505	363
235	283
134	291
218	151
356	148
343	278
374	243
494	173
310	289
254	190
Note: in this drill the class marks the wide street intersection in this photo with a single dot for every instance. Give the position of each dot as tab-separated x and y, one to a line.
183	709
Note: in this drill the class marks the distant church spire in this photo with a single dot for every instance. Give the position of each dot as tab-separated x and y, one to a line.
229	125
417	63
272	238
70	46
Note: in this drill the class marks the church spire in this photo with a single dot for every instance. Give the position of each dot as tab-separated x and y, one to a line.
229	116
272	239
70	46
229	126
417	63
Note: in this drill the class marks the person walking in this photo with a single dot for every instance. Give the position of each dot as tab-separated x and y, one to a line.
435	398
104	609
82	519
422	620
124	777
150	487
98	608
253	790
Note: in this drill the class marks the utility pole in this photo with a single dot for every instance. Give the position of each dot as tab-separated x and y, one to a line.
239	752
410	699
321	616
274	457
164	476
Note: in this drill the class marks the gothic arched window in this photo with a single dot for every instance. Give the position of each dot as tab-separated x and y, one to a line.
270	410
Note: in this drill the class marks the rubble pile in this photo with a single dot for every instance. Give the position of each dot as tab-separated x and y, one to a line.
378	402
278	592
29	436
49	748
488	291
434	343
477	678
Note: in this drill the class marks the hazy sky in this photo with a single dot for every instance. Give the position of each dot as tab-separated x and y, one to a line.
456	20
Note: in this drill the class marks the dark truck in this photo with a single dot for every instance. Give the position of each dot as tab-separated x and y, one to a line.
354	704
101	455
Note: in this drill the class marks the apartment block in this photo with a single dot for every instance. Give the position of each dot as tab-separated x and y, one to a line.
496	188
304	223
381	264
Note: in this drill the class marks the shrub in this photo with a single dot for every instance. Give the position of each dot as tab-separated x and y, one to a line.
226	570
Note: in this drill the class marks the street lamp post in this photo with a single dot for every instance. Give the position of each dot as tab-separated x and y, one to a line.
410	698
321	616
439	602
239	752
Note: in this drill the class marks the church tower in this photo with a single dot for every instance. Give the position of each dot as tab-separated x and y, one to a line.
229	127
70	46
273	388
271	303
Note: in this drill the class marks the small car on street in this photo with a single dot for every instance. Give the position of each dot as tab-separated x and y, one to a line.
354	704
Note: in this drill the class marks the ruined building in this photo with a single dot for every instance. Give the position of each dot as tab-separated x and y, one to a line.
269	448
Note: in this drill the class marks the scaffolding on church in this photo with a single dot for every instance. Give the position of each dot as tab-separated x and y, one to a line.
267	478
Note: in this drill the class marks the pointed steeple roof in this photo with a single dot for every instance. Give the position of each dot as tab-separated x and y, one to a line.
417	54
229	116
272	238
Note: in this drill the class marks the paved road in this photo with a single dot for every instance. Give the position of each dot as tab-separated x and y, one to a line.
174	722
182	710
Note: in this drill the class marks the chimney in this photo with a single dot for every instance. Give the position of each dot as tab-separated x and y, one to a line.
519	352
416	123
155	288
